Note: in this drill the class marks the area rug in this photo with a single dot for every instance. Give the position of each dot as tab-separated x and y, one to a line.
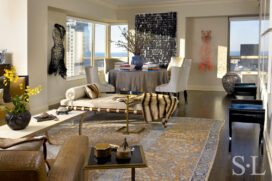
185	150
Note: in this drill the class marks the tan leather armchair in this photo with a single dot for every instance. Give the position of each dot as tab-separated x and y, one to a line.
30	165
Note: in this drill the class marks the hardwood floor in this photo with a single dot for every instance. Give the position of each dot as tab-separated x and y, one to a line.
214	105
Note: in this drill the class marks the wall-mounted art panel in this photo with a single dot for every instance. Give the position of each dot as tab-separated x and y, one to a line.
163	27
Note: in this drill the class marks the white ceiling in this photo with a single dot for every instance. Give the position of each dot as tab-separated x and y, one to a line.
131	2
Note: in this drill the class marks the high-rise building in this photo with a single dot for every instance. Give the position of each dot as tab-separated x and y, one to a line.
78	47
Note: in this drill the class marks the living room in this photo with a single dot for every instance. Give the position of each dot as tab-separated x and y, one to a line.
201	31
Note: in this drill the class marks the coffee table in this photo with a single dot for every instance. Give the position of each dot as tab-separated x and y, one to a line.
137	161
35	127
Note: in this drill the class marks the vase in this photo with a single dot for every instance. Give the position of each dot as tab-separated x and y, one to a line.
138	61
18	121
229	81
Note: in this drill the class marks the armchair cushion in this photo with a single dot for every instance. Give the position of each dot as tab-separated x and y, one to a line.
22	165
29	144
246	106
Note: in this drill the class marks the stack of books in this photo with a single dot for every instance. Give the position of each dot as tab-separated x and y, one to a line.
151	67
124	67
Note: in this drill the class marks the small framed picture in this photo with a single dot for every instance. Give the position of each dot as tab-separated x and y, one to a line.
3	53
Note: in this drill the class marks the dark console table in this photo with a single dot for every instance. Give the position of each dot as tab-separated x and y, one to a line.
137	161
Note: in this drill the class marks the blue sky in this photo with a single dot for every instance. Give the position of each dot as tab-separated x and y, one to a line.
243	32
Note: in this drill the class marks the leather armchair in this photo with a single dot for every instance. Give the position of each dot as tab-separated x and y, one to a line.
30	165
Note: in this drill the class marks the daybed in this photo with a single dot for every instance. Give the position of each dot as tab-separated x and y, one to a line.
151	106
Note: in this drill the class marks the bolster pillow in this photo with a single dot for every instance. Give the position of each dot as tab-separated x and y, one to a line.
75	93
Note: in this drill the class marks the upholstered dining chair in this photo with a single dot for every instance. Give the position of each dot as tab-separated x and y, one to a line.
109	65
178	81
92	78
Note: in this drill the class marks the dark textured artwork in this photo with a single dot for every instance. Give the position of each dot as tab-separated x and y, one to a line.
163	26
57	65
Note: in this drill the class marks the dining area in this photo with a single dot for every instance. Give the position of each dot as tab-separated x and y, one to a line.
151	78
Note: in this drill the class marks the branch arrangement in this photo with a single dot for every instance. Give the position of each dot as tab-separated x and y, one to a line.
135	42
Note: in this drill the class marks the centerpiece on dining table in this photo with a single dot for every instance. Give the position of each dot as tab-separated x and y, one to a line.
134	43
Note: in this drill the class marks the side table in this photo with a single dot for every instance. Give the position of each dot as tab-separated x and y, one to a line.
137	161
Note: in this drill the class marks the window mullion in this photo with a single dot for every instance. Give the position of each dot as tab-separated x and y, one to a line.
93	44
108	40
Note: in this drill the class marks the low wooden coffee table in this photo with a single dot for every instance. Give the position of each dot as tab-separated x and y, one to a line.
35	127
137	161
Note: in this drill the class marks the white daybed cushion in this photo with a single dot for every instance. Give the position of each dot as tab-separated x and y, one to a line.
105	101
75	92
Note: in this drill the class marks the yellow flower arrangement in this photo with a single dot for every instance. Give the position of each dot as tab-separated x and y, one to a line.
19	102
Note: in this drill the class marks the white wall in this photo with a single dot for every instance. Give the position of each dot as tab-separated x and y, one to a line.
206	80
37	49
13	32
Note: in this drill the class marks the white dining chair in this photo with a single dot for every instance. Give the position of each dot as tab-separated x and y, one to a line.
178	81
92	78
109	65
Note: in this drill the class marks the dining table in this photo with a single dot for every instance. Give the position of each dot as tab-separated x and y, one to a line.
138	81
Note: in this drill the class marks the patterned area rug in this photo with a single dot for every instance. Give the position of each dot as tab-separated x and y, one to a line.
185	150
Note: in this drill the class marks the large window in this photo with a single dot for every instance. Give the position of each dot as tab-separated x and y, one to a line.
116	35
244	44
87	44
78	46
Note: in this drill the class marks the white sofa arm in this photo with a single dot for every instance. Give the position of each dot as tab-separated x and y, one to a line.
75	93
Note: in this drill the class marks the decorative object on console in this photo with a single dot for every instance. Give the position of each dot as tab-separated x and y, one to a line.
206	51
229	80
46	117
62	110
18	118
3	53
134	43
102	150
57	64
163	27
123	152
